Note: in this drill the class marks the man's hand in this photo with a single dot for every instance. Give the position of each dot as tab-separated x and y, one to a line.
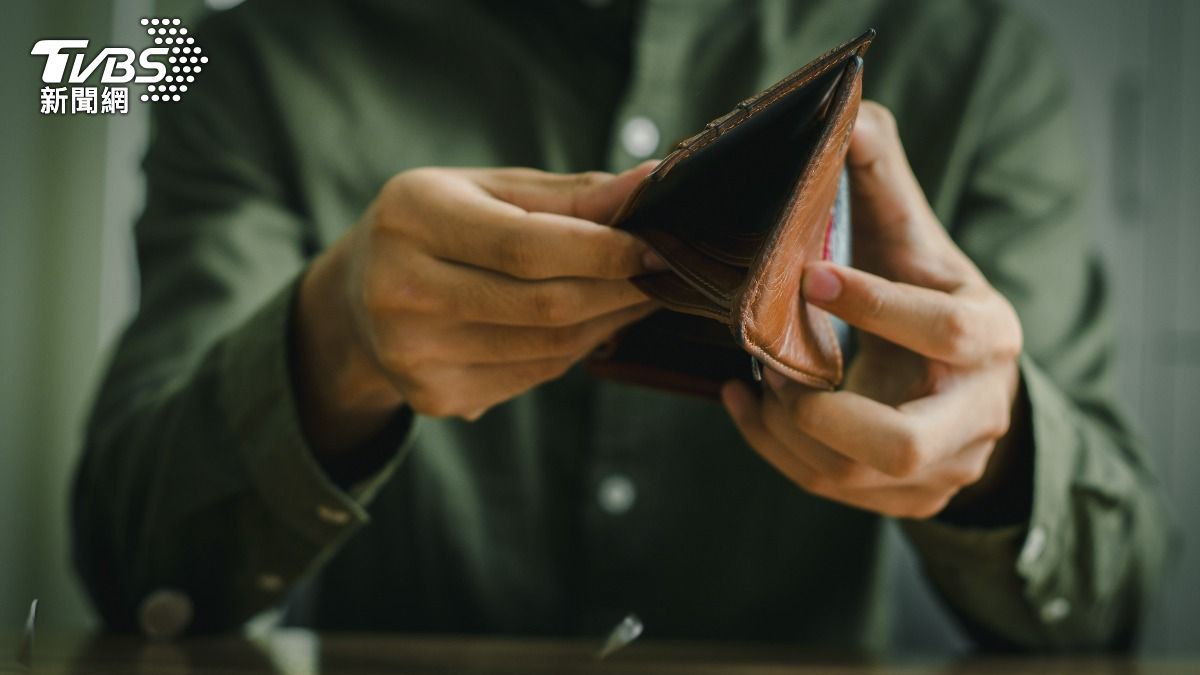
933	386
460	289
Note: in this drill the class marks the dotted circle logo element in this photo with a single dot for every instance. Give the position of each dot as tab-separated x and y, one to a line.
185	59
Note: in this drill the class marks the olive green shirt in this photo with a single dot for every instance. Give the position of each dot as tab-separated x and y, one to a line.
563	509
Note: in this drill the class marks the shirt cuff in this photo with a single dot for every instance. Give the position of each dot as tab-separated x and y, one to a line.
1030	561
257	398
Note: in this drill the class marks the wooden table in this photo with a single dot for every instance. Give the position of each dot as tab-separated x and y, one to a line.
293	652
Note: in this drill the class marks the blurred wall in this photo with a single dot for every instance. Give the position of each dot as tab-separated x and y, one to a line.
69	189
1136	82
52	189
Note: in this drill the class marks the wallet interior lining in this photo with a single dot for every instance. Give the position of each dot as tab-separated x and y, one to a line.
736	188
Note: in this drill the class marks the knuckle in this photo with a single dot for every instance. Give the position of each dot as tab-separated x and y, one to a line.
1000	421
1017	336
816	483
875	301
411	292
882	116
549	306
907	454
406	351
1012	341
588	179
422	399
474	414
961	476
517	255
975	472
388	288
439	407
954	329
995	414
395	187
399	191
431	403
415	177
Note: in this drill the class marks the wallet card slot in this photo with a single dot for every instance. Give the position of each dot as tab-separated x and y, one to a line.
738	251
701	274
677	294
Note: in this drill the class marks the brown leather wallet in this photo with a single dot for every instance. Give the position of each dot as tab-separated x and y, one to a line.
737	211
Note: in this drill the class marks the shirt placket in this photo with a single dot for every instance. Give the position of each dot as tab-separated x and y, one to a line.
615	520
649	118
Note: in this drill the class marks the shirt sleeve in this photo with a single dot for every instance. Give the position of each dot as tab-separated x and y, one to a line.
196	477
1080	572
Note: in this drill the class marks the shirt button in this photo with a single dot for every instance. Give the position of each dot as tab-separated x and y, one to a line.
616	494
1035	545
1056	610
639	137
332	516
165	613
270	583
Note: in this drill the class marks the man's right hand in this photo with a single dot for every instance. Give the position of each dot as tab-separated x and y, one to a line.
460	289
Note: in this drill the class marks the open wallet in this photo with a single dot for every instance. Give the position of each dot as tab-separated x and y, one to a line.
737	211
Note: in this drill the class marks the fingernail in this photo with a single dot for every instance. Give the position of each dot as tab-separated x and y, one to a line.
654	262
821	285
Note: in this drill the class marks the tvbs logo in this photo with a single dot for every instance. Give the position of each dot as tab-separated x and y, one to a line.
118	63
167	69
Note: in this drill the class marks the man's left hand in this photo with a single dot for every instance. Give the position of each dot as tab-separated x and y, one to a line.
928	401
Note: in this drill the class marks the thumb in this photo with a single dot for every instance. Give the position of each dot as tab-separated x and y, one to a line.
887	200
591	195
